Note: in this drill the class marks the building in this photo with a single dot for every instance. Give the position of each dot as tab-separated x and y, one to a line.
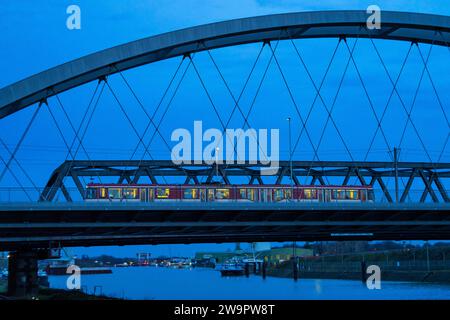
273	255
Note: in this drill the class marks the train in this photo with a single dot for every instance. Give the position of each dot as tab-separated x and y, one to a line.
224	193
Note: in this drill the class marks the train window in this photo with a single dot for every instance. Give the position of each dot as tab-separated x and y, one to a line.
310	193
162	193
210	194
114	193
339	194
251	194
278	194
203	194
91	193
222	193
243	193
288	193
103	193
143	194
190	193
130	193
352	194
151	193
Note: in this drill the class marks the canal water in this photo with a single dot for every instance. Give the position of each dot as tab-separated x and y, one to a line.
198	283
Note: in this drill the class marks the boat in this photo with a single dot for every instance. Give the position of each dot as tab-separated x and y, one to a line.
59	267
42	273
62	270
232	267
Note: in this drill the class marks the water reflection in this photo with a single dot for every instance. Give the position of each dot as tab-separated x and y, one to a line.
165	283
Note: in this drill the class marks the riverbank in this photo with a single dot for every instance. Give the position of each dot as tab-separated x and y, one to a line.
56	294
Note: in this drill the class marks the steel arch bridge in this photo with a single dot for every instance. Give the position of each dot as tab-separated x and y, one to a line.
414	27
400	221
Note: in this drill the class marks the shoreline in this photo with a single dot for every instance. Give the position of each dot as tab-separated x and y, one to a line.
432	277
54	294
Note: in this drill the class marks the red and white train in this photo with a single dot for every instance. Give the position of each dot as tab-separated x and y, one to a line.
224	193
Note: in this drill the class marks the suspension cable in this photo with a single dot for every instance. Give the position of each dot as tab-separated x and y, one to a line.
126	115
159	104
77	131
409	119
394	89
333	104
433	85
145	111
19	165
174	93
258	89
294	102
16	179
19	143
372	107
89	122
320	96
236	101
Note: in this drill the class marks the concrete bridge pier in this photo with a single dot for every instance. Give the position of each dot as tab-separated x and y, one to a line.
23	273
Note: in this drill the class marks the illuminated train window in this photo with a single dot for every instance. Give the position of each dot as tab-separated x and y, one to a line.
91	193
222	193
340	194
251	194
352	194
103	193
278	194
114	193
288	193
243	193
190	194
130	193
310	193
162	193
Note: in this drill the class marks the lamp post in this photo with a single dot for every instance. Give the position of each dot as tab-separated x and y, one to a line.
217	162
290	153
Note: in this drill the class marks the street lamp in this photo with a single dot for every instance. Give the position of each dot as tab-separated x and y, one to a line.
290	152
217	161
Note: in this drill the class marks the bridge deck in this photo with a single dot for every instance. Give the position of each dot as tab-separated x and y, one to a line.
82	224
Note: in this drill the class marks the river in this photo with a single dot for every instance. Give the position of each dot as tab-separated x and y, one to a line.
203	284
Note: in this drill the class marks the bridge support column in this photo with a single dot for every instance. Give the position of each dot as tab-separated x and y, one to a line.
23	273
295	268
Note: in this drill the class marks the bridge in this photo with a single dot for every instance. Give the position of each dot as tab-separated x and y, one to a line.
36	217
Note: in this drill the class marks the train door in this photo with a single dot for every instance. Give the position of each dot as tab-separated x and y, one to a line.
143	195
363	195
327	195
320	195
203	195
151	194
211	196
263	195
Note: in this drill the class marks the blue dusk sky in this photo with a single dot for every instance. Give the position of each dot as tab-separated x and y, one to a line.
35	38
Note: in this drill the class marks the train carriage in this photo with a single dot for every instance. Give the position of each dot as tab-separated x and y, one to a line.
227	193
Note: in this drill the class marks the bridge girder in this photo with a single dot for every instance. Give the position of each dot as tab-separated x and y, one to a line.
131	171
